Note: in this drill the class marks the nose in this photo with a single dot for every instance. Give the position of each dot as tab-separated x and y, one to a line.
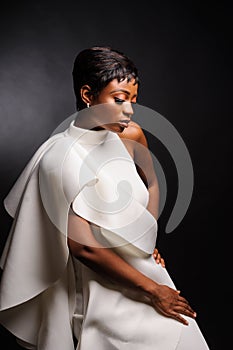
128	109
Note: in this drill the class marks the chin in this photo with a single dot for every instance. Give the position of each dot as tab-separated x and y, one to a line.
115	128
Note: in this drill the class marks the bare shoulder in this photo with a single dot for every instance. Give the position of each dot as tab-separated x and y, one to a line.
133	132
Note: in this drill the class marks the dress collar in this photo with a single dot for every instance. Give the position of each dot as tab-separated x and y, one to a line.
86	136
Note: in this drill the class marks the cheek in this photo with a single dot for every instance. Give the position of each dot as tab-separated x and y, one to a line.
109	112
114	112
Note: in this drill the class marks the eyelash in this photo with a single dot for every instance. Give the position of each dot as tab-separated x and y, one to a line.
118	100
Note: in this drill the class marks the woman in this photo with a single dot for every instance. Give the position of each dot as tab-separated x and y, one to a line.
79	261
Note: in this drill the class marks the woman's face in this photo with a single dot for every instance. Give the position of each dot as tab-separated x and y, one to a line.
114	109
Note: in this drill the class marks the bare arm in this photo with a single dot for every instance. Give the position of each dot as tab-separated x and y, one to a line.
107	263
135	141
145	167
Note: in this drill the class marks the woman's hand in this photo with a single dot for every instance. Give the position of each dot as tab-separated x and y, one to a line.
105	262
170	303
158	258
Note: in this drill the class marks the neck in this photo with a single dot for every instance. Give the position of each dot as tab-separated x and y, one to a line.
86	120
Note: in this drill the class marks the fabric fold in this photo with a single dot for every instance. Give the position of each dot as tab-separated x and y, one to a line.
93	173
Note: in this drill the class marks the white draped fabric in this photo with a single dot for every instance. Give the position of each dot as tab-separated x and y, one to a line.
47	296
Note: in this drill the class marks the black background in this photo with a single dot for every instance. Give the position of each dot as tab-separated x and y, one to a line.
184	53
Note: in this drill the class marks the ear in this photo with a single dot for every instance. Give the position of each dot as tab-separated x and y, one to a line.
85	93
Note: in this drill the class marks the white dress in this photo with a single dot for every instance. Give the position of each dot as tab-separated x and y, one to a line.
92	173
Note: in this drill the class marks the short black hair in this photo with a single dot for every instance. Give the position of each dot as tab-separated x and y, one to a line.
99	65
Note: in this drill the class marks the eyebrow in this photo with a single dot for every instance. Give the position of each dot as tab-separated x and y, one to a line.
121	90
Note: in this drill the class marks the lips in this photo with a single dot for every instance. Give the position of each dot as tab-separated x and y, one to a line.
124	122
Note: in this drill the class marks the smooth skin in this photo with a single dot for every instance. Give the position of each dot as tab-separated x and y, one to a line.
141	155
81	241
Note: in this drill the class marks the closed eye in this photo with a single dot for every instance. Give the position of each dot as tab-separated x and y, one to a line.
118	100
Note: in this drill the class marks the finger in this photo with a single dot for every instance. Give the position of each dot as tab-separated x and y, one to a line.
162	262
184	303
185	310
186	307
181	319
158	258
155	252
182	300
189	313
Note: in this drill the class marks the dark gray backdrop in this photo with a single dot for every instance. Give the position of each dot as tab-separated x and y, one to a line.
184	53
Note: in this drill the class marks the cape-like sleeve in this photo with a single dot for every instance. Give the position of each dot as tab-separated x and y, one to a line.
117	201
37	291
